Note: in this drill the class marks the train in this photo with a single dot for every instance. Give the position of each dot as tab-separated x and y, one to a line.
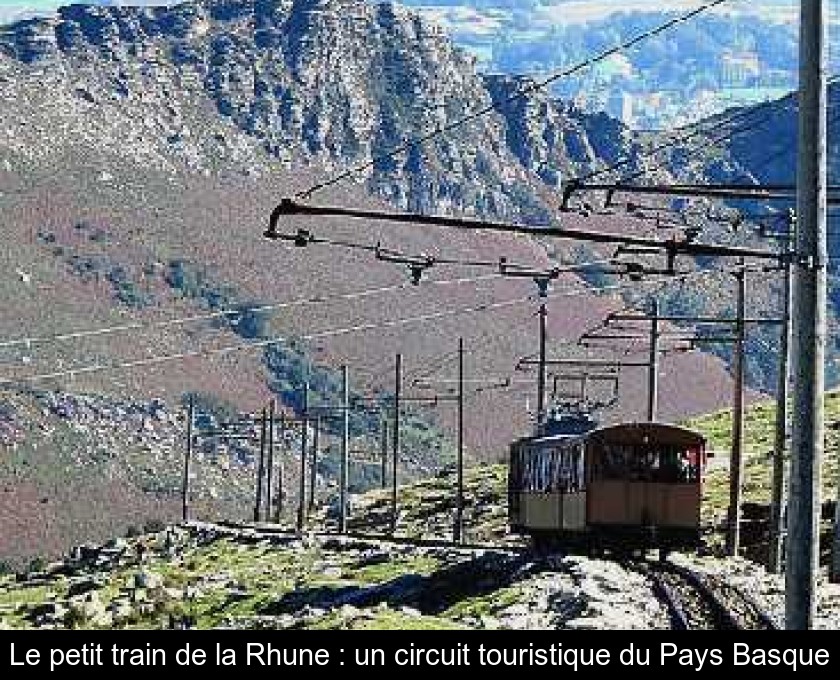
615	489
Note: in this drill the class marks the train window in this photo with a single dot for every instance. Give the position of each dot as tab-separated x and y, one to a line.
613	463
547	469
647	463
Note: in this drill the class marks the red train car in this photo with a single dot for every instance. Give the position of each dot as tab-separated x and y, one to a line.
622	487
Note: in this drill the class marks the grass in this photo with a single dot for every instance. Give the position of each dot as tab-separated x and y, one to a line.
386	571
759	437
485	605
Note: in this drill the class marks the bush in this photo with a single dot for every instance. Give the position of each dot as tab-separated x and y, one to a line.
192	281
36	565
251	324
210	404
154	526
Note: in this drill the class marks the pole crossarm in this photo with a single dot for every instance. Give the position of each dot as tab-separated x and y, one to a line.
290	207
693	319
764	192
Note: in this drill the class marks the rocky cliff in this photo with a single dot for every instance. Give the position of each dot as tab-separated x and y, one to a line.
261	83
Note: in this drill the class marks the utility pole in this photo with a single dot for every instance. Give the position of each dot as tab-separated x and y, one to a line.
313	464
809	333
775	556
458	530
279	507
384	451
304	436
270	472
345	450
541	375
653	362
185	486
736	462
395	441
260	469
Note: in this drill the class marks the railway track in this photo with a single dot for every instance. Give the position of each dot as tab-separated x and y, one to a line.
698	601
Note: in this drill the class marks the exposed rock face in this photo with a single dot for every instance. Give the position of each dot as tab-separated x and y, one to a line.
218	83
551	139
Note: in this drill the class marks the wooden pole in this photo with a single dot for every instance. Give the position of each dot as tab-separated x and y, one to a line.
280	490
736	461
809	330
269	478
345	450
304	435
457	533
653	366
395	441
185	485
260	469
775	555
384	451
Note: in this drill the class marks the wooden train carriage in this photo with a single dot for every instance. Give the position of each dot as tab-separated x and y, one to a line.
633	485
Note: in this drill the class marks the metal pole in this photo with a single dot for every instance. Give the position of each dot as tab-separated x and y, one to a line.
653	363
270	472
395	442
313	464
304	435
736	462
384	451
457	532
808	323
185	486
775	556
278	511
541	375
345	450
260	469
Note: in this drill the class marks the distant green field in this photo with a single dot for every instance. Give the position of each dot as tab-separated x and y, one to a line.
759	436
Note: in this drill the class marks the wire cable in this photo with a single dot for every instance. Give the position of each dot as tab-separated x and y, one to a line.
236	311
520	94
238	347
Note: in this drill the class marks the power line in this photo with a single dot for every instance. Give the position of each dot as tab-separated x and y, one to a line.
236	311
728	135
229	349
420	262
523	92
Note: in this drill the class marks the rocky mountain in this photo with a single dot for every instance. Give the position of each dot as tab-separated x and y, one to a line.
336	82
141	151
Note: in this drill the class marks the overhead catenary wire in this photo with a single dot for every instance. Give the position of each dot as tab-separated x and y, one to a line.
232	312
260	344
303	238
528	89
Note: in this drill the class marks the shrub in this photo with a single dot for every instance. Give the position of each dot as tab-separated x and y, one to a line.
36	565
154	526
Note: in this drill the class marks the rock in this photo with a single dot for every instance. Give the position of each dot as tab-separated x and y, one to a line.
84	586
89	610
147	580
48	613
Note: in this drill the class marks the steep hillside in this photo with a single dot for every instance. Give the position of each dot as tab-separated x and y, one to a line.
141	151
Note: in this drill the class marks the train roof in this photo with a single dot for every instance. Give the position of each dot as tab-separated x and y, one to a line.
635	430
676	433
